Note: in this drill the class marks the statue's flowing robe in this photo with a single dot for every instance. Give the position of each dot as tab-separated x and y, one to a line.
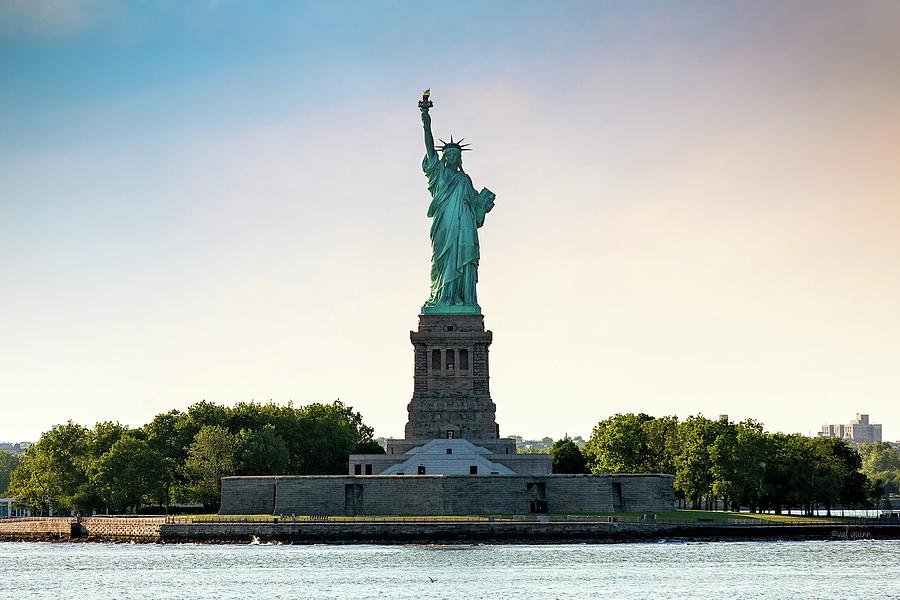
457	211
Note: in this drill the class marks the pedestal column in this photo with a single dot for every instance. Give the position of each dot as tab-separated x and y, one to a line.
451	394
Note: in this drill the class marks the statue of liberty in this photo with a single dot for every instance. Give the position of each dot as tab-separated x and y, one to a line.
457	211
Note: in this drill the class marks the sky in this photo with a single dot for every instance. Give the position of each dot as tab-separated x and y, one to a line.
698	207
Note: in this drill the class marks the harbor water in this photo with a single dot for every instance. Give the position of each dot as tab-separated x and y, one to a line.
663	570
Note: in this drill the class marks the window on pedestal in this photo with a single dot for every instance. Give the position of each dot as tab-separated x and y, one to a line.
357	469
451	359
463	360
435	361
421	469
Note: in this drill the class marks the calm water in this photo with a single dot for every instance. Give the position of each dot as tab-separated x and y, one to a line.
769	570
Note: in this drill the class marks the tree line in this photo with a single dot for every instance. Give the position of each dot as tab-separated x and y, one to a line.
735	464
181	456
881	462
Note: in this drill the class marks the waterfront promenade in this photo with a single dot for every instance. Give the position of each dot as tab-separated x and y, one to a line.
526	529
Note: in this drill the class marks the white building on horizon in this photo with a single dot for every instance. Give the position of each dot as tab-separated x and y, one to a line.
857	431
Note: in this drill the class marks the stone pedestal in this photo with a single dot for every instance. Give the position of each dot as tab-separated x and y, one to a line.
451	397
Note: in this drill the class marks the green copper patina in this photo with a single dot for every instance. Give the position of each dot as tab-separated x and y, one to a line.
457	211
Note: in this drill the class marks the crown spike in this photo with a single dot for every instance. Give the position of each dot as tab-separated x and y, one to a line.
454	144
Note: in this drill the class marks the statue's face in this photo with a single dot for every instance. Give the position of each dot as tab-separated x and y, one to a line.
451	156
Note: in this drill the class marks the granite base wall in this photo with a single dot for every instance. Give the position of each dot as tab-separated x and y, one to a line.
525	464
445	494
37	528
91	528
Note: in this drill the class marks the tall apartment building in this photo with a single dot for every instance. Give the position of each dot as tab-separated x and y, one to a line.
858	431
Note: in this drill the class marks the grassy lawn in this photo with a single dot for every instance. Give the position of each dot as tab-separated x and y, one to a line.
676	516
694	516
212	518
797	519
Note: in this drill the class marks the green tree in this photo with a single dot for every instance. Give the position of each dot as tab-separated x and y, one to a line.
369	447
171	434
211	456
804	475
8	464
855	488
30	483
881	463
325	436
53	470
261	452
567	458
619	445
319	437
776	472
205	414
131	474
880	456
693	464
661	438
73	467
102	437
737	455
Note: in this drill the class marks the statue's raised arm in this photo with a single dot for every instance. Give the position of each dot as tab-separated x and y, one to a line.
425	104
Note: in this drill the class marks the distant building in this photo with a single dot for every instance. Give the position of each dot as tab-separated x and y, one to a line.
857	431
15	448
8	511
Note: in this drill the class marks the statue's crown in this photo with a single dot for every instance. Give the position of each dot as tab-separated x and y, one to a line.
451	144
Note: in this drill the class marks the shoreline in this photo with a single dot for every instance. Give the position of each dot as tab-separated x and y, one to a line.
158	530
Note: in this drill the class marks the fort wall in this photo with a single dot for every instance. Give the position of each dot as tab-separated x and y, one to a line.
445	494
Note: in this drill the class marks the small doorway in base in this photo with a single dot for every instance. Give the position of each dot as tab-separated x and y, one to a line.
353	499
537	497
617	504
